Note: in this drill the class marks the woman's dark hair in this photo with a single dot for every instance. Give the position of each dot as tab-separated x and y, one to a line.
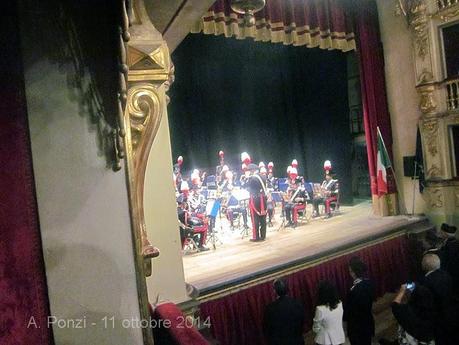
328	295
357	266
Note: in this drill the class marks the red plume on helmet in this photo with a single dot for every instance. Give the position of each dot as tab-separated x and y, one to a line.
245	158
179	160
327	166
295	163
270	167
221	154
293	173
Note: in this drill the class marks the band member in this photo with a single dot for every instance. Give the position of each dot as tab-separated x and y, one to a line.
219	168
190	226
298	197
270	204
257	188
233	211
330	191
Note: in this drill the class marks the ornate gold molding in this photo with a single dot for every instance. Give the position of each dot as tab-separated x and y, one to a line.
435	198
431	129
427	103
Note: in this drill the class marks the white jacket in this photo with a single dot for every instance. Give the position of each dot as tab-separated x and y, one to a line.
328	325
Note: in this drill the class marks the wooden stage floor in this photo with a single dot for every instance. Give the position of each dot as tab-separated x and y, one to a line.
238	259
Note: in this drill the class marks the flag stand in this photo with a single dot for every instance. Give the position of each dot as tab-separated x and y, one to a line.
403	209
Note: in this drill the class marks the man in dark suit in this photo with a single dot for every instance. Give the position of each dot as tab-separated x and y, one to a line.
449	255
358	308
283	319
440	285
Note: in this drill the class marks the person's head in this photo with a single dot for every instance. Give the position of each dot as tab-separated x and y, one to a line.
430	262
357	268
328	176
431	239
280	286
421	300
327	295
447	231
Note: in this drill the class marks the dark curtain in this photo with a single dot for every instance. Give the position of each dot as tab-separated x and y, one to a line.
236	319
24	300
373	87
276	102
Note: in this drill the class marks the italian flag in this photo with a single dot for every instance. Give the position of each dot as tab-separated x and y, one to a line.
382	165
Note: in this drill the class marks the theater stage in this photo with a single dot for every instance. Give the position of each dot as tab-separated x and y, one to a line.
238	260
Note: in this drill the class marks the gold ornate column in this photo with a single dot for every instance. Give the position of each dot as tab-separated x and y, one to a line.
426	19
146	67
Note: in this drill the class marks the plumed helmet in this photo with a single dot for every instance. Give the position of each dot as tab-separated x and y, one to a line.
327	165
221	154
184	187
270	165
245	158
261	164
293	173
295	163
179	160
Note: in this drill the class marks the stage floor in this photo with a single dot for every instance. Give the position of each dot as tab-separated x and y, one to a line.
239	259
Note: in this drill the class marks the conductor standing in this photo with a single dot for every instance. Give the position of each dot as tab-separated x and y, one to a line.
256	185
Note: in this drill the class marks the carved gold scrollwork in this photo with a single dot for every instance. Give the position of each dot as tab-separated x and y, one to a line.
144	117
436	198
431	129
433	171
427	103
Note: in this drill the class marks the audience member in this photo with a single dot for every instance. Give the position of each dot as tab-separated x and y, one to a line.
328	319
283	319
449	255
414	311
358	308
440	285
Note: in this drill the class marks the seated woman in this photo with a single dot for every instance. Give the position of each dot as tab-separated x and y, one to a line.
328	320
414	311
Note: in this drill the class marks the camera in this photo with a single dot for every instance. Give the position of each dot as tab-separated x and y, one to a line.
410	286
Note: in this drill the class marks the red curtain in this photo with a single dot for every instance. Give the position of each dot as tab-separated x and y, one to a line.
236	319
23	291
314	23
373	87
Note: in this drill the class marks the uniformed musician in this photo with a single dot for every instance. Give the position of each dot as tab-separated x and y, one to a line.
298	197
256	186
330	191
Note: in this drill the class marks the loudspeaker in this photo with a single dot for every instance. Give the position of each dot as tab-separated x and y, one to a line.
408	166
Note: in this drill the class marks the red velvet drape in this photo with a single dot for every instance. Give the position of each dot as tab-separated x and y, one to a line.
236	319
314	23
23	291
373	87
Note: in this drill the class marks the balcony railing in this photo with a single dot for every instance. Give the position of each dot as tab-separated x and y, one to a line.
443	4
452	87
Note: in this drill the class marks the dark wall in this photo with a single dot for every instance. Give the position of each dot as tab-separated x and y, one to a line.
276	102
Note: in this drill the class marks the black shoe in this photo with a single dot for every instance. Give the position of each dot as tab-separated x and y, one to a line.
328	216
203	249
294	225
383	341
254	240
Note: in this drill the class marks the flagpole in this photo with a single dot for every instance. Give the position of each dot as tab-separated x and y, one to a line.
402	203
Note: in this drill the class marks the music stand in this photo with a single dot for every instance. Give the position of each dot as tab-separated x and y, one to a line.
212	208
242	196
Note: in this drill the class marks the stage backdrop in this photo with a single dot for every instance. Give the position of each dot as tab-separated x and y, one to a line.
276	102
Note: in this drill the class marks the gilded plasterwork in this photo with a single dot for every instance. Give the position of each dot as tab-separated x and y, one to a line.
436	198
431	129
433	172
